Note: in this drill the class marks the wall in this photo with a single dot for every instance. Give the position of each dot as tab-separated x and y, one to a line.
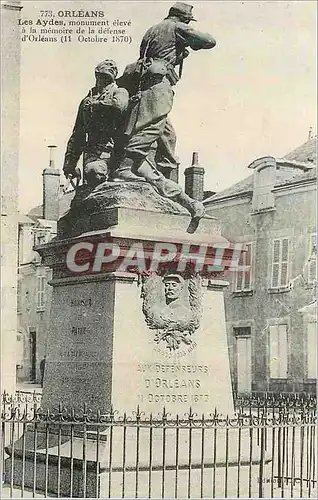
10	88
294	217
32	317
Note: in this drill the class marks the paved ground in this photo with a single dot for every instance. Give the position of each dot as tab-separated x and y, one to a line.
6	492
16	493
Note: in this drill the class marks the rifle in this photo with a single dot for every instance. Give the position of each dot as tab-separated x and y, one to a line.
136	109
181	67
183	52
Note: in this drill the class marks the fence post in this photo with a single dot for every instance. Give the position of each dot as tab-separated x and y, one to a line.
279	454
261	463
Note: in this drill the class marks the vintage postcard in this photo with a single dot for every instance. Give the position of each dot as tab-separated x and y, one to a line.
159	249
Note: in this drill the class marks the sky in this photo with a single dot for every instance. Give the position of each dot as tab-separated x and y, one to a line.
253	94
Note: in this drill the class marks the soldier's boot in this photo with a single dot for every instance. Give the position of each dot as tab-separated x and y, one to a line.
124	171
196	209
172	190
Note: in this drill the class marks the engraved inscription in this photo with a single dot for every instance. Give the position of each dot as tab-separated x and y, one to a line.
171	368
79	330
167	382
174	398
78	354
81	302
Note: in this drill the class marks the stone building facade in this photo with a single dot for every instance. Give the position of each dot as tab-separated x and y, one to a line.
34	291
34	297
10	119
270	307
270	303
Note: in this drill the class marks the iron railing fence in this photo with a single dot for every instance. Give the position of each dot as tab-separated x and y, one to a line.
262	402
67	453
242	401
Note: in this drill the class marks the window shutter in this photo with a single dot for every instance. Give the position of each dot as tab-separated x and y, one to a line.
282	342
276	252
239	280
280	263
284	263
243	278
248	255
247	284
41	292
284	274
273	352
278	351
285	250
247	272
275	269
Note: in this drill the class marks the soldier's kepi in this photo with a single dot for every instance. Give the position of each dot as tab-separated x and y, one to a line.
98	126
151	140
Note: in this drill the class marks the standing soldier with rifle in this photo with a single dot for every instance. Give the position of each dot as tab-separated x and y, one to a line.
150	137
167	41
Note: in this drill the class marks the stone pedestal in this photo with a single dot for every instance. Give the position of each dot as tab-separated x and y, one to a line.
102	353
104	350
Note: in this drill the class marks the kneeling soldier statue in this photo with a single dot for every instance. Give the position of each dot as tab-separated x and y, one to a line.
97	128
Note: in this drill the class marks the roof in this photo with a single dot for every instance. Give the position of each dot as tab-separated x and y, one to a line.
24	219
244	186
64	205
306	155
36	212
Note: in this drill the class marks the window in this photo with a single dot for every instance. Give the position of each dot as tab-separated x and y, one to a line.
280	263
243	275
312	261
242	331
41	280
40	237
278	351
243	358
311	350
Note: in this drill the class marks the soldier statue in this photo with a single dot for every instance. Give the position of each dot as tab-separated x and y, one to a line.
167	43
150	137
122	128
98	127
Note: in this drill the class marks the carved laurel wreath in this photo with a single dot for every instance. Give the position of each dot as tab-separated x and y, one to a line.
173	333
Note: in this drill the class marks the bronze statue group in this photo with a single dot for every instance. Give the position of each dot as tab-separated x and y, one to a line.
122	126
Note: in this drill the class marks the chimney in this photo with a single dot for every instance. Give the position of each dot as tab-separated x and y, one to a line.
194	179
310	133
51	189
264	181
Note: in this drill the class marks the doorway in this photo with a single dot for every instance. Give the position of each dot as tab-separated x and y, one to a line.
243	359
32	339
